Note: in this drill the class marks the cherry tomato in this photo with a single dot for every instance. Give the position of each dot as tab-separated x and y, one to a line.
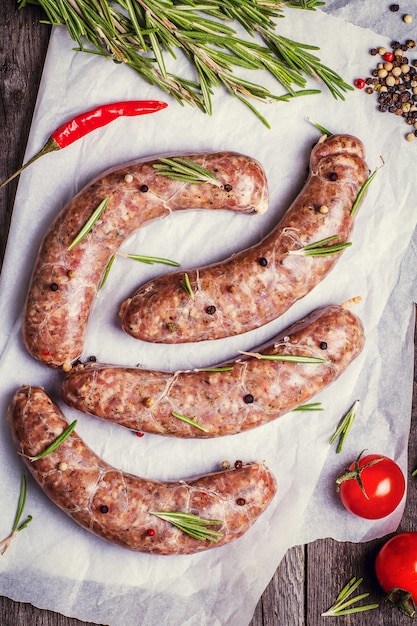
373	486
396	564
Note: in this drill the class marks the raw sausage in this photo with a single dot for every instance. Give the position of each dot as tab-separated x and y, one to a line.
257	285
116	506
250	393
65	282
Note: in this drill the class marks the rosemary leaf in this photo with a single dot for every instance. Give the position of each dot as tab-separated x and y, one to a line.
340	607
193	525
226	368
362	191
292	358
17	524
344	427
55	444
95	216
183	169
321	248
185	284
150	260
314	406
106	272
320	128
189	420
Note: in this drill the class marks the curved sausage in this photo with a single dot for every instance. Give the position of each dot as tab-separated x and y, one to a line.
116	506
251	393
65	282
259	284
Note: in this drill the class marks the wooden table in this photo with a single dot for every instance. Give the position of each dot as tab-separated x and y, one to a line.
309	577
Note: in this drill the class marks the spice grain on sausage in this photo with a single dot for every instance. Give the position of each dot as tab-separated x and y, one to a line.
251	393
259	284
55	320
116	505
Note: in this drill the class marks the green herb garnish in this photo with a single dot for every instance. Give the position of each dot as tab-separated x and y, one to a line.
314	406
205	34
363	189
150	260
344	426
189	420
193	525
185	284
340	607
226	368
320	128
188	171
320	248
292	358
54	445
17	524
95	216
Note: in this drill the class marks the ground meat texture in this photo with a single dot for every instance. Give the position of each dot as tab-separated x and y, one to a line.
259	284
115	505
55	318
251	393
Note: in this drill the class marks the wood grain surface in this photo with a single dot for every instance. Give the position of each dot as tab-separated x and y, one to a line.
309	577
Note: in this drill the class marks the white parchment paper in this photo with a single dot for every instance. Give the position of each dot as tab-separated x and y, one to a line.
55	564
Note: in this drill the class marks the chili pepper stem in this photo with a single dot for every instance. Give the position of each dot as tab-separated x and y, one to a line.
50	146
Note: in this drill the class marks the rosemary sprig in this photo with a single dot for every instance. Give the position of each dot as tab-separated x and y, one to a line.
95	216
17	524
150	260
319	127
292	358
142	33
54	445
313	406
344	426
320	248
185	284
226	368
363	189
188	171
193	525
189	420
340	607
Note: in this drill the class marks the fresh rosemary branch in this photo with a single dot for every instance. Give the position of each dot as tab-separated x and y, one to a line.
343	606
55	444
17	524
363	189
321	248
94	217
313	406
189	420
193	525
150	260
183	169
143	33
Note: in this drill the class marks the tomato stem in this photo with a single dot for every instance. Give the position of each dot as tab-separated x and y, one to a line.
403	600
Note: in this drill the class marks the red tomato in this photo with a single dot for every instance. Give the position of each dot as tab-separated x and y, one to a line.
396	564
383	486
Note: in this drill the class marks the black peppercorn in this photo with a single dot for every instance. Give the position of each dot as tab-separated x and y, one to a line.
248	398
323	345
228	187
104	509
211	310
144	188
333	176
53	287
263	261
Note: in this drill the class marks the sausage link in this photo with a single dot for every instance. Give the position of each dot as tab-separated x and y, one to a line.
259	284
115	505
65	282
251	393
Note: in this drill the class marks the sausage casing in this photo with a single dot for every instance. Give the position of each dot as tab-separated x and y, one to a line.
250	393
65	282
259	284
115	505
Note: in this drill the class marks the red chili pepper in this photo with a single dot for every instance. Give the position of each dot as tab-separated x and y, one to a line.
86	122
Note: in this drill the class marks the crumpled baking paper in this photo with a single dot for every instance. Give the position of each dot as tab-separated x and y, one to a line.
57	565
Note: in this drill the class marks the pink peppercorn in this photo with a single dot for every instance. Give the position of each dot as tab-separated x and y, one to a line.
359	83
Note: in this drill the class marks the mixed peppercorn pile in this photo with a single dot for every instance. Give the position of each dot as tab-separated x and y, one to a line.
394	80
